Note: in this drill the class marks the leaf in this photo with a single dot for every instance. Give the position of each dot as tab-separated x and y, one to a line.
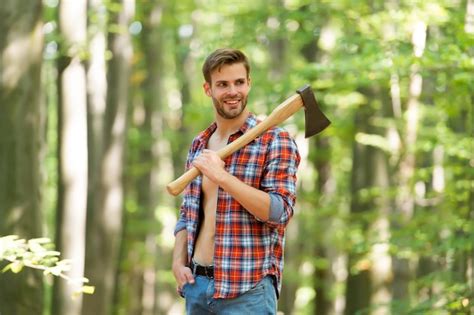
64	262
9	238
36	247
55	270
52	253
7	267
16	266
88	289
40	240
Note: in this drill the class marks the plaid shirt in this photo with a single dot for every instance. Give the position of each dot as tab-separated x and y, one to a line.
246	249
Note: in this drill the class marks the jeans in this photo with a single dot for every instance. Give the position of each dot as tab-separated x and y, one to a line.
259	300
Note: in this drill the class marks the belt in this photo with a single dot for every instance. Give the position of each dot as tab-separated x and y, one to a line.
206	271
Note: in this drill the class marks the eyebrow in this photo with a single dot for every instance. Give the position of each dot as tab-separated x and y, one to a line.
225	81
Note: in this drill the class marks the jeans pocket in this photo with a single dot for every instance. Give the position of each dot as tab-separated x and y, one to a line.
183	289
259	288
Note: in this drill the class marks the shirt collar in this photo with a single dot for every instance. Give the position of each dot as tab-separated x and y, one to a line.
249	123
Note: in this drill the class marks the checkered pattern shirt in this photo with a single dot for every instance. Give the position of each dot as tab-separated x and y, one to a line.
246	249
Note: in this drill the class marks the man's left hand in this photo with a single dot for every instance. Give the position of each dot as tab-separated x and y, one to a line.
210	165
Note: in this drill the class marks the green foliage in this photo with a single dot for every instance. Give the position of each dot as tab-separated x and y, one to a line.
37	254
351	52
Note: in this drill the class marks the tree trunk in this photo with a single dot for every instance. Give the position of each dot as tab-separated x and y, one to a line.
358	287
469	25
105	230
469	275
96	98
325	277
152	194
72	155
184	74
405	203
277	46
139	275
380	259
22	145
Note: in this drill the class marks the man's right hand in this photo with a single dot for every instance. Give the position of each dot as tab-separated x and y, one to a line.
181	272
183	275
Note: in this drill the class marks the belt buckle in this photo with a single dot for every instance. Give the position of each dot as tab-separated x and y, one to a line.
194	267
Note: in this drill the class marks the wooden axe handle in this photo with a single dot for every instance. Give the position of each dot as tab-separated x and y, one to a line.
281	113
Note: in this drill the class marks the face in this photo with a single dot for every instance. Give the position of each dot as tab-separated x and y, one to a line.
229	90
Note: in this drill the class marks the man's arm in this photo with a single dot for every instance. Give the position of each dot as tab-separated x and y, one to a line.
273	202
181	272
256	201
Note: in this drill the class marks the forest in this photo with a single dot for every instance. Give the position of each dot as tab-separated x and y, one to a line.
100	100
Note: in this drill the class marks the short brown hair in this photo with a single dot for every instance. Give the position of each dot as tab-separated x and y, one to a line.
223	56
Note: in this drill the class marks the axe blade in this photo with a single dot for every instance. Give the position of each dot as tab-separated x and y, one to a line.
315	120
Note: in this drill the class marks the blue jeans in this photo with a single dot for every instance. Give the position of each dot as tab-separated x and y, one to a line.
259	300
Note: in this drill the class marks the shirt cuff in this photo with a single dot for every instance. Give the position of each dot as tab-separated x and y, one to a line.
181	225
276	207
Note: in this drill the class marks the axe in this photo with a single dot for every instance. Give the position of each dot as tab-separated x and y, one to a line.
315	122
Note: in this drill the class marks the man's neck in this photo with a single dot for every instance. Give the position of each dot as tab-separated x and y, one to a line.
227	127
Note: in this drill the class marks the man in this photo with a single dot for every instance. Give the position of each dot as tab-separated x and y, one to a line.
228	255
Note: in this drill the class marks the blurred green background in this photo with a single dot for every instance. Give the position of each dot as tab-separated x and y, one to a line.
100	99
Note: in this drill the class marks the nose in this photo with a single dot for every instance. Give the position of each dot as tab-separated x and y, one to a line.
232	89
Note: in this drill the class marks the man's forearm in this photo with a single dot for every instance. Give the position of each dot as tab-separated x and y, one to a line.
180	253
256	201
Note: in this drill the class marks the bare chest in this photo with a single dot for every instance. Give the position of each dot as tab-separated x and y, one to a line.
209	188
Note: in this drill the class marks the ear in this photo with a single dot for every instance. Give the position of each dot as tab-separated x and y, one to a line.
207	88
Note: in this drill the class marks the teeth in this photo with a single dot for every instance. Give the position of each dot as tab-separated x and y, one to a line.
232	102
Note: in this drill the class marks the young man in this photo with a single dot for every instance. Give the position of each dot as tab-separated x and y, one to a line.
228	255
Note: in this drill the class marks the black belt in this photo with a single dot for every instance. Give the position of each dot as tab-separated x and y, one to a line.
202	270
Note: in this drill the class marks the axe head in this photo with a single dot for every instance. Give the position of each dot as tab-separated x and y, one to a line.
315	120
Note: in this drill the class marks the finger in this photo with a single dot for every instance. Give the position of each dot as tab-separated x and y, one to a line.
198	159
182	283
189	276
183	280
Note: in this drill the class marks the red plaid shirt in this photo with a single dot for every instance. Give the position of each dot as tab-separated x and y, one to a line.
246	249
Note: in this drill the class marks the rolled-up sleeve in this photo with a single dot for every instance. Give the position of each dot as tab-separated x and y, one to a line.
181	223
279	177
276	207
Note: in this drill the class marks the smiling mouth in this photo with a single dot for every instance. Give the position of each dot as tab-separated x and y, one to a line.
232	102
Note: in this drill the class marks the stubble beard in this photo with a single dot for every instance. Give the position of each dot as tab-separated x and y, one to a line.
229	114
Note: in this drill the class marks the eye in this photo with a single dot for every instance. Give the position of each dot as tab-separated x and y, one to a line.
240	82
221	84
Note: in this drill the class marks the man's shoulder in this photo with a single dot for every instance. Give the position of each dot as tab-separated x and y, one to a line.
278	133
277	138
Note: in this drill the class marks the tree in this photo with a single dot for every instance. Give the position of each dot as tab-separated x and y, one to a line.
105	225
22	145
140	249
72	152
